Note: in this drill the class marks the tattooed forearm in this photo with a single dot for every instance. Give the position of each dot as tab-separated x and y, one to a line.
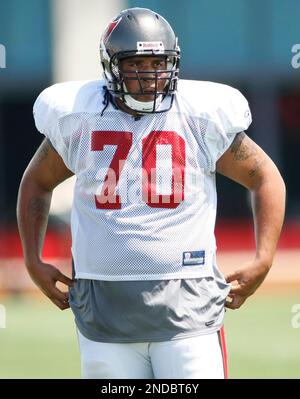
38	208
241	151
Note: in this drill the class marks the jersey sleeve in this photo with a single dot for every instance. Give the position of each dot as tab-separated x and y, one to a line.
47	113
231	116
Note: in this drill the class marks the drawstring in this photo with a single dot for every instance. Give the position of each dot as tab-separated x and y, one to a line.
106	99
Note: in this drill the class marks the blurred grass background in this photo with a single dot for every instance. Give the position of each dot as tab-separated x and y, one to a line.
261	341
40	341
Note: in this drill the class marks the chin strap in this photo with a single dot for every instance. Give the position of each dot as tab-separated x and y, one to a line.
141	106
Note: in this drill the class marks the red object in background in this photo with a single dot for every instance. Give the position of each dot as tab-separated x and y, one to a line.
289	111
234	235
230	235
57	244
239	235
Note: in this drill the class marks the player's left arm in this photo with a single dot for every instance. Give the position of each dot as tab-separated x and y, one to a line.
247	164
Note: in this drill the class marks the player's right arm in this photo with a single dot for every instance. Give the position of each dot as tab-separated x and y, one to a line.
45	171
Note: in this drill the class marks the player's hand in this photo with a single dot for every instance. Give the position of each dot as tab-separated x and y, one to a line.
245	282
46	276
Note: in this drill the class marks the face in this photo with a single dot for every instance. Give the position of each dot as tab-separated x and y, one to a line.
129	67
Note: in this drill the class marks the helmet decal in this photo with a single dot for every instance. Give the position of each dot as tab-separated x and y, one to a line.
156	47
110	29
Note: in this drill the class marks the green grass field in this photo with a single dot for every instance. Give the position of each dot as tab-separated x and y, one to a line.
39	341
261	340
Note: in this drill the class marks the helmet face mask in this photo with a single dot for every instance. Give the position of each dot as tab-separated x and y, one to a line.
142	73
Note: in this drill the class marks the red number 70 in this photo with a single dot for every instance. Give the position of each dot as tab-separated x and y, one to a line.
108	199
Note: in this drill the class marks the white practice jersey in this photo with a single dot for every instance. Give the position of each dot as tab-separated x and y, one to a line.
145	201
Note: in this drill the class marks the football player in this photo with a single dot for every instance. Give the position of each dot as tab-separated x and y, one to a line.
146	291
